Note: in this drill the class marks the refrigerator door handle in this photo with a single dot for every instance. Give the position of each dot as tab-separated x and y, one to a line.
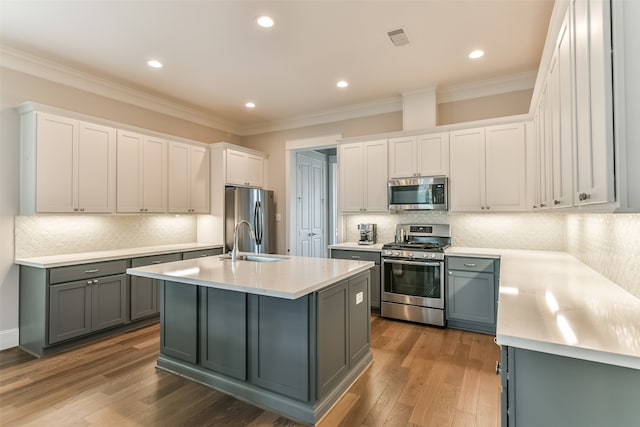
257	222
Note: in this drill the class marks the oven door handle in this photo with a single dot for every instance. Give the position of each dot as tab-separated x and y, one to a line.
426	264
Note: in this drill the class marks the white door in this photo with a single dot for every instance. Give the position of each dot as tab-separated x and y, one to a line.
505	167
179	178
199	179
311	209
351	169
402	157
375	176
154	175
432	153
129	182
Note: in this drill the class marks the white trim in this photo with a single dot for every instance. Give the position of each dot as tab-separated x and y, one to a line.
9	338
24	62
495	86
53	71
313	143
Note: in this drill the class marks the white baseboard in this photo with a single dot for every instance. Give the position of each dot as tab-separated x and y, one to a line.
9	338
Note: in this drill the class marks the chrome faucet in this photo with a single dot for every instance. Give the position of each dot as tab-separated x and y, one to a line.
234	251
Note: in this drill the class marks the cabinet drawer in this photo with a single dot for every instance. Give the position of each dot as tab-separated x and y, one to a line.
87	271
471	264
156	259
201	253
356	255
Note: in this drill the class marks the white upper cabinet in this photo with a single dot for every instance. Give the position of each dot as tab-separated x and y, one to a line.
188	178
593	101
424	155
363	177
244	168
67	165
487	169
541	155
505	167
142	173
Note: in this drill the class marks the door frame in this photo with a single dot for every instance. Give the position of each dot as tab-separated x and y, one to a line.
292	147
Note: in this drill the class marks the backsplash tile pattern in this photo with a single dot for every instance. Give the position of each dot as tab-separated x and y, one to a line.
608	243
43	235
497	230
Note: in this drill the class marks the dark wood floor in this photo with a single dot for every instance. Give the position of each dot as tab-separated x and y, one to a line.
420	376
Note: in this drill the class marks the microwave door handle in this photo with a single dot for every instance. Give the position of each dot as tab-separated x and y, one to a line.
425	264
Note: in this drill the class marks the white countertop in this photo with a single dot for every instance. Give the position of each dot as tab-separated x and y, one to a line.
354	246
85	257
292	278
553	303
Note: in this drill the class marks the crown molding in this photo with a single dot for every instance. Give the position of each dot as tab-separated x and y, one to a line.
387	105
21	61
495	86
49	70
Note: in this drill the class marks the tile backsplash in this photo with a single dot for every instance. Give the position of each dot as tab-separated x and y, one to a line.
42	235
510	231
608	243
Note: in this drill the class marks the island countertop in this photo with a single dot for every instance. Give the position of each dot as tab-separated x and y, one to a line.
291	278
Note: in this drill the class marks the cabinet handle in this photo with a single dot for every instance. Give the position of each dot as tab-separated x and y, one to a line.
95	282
89	283
535	206
75	209
81	209
482	207
542	205
584	196
498	369
556	202
451	273
488	207
92	271
355	256
470	265
156	262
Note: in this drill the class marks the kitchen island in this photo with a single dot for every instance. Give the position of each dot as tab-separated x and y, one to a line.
289	334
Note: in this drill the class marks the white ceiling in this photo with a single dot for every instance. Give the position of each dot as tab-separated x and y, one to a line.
216	58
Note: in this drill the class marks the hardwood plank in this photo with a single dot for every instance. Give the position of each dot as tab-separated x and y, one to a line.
420	376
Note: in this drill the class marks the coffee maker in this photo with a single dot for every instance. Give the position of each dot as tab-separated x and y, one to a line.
367	234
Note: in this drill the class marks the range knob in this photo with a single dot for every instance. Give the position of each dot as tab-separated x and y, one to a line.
432	255
396	254
410	254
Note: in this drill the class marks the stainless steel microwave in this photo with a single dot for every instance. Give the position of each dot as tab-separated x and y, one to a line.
419	193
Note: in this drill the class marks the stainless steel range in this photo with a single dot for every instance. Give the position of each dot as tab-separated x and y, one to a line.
413	273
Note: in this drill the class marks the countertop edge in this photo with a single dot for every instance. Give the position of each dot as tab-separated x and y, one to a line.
574	352
115	254
365	265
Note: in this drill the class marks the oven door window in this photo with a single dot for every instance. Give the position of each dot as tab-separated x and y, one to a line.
412	279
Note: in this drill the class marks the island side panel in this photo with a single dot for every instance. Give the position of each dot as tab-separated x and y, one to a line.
359	317
333	339
179	321
223	331
279	345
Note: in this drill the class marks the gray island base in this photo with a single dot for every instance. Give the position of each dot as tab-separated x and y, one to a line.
293	356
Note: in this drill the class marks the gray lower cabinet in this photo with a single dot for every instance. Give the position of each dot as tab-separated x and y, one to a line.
201	253
541	389
376	273
472	294
85	306
145	291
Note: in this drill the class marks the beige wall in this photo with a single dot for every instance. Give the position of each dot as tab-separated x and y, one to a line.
487	107
273	143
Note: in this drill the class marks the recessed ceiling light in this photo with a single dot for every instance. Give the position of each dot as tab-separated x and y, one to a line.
342	83
250	105
154	63
264	21
476	54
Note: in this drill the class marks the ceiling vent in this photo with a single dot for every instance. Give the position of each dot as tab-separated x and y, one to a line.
398	37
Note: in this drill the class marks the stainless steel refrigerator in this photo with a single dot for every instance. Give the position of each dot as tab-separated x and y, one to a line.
257	207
